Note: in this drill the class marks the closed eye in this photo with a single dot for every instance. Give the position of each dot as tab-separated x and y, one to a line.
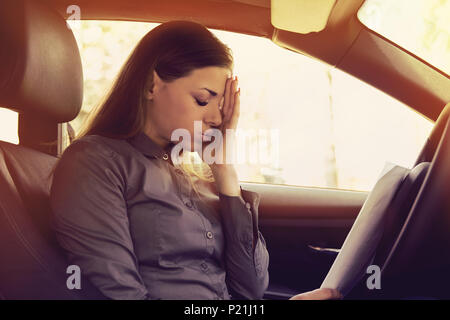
201	103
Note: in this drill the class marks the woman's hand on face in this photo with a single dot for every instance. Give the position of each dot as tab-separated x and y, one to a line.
224	173
319	294
231	105
230	117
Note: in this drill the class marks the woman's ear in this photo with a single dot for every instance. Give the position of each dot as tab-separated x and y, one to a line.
149	94
153	86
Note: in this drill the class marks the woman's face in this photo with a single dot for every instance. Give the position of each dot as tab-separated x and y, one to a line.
176	105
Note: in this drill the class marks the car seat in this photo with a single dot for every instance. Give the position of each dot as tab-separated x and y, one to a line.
41	78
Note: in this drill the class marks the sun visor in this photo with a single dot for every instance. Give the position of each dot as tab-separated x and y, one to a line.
301	16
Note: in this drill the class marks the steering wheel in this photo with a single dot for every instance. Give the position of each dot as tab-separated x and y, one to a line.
398	215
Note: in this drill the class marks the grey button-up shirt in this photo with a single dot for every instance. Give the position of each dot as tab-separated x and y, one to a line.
129	219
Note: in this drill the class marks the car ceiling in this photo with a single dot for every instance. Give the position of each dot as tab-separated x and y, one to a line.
345	42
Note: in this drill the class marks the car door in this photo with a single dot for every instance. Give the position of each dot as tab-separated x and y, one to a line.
303	228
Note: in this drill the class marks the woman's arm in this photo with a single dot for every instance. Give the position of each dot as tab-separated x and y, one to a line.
91	222
246	256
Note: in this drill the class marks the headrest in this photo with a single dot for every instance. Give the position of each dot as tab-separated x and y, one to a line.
40	65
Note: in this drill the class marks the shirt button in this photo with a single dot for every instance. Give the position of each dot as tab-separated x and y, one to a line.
248	205
165	156
204	266
188	204
209	235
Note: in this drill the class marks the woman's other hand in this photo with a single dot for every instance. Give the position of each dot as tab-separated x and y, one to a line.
319	294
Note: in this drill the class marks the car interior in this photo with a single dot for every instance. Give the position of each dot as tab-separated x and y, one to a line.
305	228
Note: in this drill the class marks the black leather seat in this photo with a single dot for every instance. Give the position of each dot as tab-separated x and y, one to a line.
32	265
40	73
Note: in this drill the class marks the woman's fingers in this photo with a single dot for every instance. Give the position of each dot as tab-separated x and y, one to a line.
226	103
236	109
231	97
319	294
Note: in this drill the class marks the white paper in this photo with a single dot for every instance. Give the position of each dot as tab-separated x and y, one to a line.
358	249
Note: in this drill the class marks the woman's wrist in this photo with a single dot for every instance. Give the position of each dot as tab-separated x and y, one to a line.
226	179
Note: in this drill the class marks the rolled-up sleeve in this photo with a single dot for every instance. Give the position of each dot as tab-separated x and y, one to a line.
246	255
91	222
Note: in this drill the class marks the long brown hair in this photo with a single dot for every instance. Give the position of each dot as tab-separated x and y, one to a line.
173	49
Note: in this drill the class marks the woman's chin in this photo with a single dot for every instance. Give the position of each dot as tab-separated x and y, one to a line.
199	144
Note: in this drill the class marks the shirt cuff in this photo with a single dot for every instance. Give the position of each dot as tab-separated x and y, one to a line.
240	216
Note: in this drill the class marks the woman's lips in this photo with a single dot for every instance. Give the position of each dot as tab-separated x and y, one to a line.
206	137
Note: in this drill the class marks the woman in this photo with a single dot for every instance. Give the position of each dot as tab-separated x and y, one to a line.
139	225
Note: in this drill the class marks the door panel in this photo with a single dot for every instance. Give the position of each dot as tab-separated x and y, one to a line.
300	226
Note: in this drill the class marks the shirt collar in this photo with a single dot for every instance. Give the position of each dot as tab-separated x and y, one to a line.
148	147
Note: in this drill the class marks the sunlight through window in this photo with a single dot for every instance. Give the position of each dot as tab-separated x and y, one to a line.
334	130
9	126
420	26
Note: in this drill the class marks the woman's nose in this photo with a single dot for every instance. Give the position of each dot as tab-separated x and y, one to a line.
214	117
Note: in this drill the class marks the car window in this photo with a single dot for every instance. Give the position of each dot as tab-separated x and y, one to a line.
420	26
304	123
9	125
